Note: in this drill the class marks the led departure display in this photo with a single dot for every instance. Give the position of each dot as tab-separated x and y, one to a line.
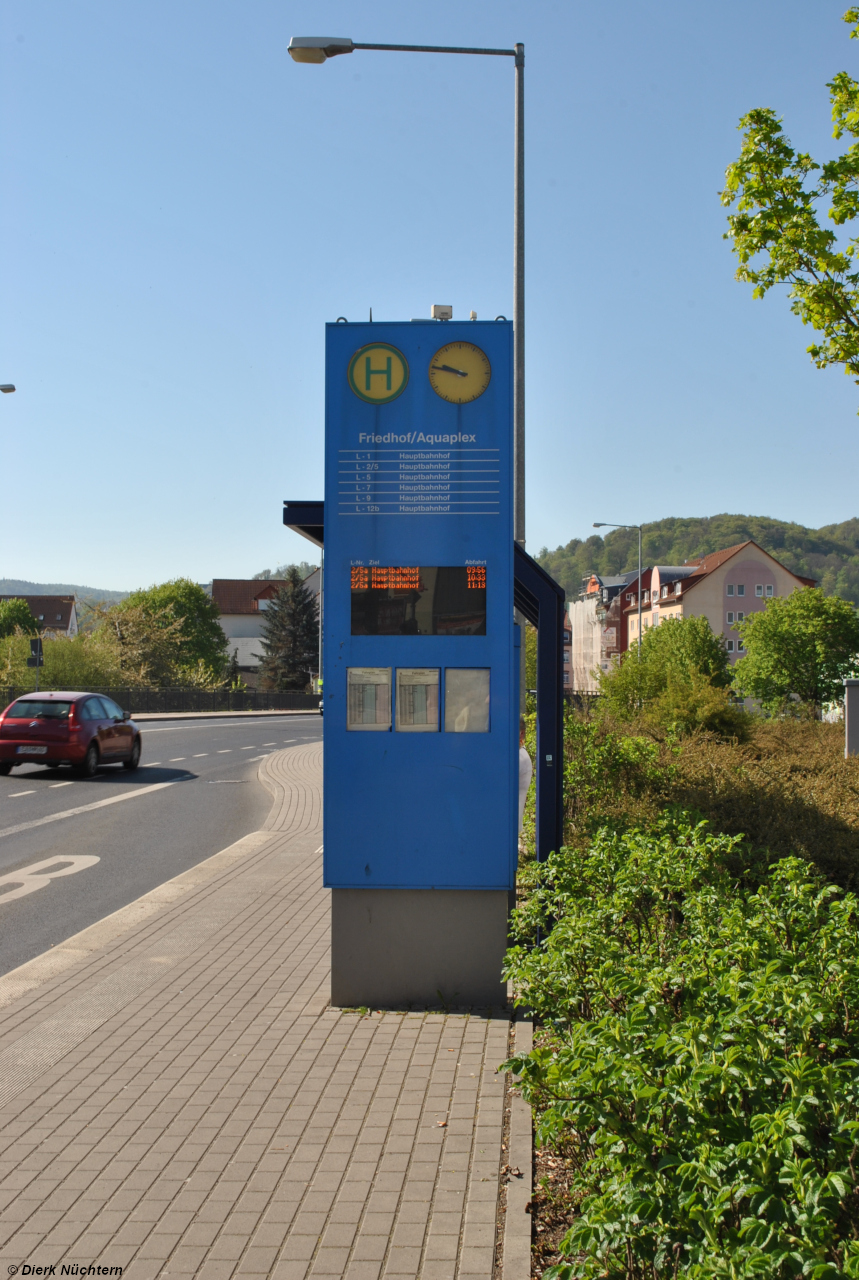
418	600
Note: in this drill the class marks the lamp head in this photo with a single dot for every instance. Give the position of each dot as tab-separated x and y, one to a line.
6	387
317	48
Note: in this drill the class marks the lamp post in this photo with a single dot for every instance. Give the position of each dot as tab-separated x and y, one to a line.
318	49
604	524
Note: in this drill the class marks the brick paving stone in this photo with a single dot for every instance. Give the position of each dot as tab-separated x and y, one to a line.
362	1271
225	1122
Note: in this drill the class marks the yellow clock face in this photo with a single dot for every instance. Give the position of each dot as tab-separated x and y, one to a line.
460	372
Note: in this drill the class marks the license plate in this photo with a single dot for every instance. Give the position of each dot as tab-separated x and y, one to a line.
32	751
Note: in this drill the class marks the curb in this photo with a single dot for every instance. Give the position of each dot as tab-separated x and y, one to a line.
215	715
516	1257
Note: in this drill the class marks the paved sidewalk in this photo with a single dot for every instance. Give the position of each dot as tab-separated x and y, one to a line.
176	1097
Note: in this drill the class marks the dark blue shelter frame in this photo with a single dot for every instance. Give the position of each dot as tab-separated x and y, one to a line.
541	600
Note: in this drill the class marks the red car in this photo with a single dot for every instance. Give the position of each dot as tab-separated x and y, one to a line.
81	729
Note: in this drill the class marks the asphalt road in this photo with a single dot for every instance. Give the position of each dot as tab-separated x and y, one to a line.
195	793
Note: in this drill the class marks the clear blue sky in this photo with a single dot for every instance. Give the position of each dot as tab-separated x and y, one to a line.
183	208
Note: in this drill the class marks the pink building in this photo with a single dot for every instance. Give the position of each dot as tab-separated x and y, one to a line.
725	586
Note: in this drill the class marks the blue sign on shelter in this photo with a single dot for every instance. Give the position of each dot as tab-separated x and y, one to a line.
421	682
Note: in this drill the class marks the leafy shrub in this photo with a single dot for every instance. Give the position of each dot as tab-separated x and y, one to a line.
787	788
801	646
607	775
693	702
676	680
71	662
698	1059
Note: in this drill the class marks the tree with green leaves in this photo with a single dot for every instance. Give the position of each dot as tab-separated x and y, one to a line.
680	681
145	645
15	614
800	647
290	636
199	634
776	230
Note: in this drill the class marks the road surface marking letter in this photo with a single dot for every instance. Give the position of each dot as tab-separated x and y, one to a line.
34	877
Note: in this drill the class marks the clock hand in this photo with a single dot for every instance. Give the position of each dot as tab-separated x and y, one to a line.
445	368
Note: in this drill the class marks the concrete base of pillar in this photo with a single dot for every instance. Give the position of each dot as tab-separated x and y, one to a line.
396	948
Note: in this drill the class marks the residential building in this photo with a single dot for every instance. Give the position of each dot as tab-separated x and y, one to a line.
597	626
243	602
725	587
56	615
567	644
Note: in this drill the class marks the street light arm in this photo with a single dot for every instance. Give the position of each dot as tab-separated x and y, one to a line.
317	49
437	48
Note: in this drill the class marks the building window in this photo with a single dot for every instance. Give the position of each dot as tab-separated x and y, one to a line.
769	591
730	588
741	617
730	619
567	637
740	646
730	646
566	677
645	596
759	590
741	589
566	657
664	592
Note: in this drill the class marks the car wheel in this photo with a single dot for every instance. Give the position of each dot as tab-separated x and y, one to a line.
5	769
89	764
134	759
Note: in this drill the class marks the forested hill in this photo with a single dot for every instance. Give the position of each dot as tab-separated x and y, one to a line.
830	554
88	595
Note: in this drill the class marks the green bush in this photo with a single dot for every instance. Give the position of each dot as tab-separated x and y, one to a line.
698	1061
15	617
800	646
678	682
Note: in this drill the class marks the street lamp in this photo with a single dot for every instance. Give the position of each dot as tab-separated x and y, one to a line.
604	524
318	49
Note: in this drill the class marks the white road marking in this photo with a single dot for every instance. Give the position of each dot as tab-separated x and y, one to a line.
152	764
86	808
13	795
217	726
34	877
269	744
176	759
224	751
61	784
253	748
199	755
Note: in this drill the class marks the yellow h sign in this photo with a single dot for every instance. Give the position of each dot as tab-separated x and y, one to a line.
378	373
